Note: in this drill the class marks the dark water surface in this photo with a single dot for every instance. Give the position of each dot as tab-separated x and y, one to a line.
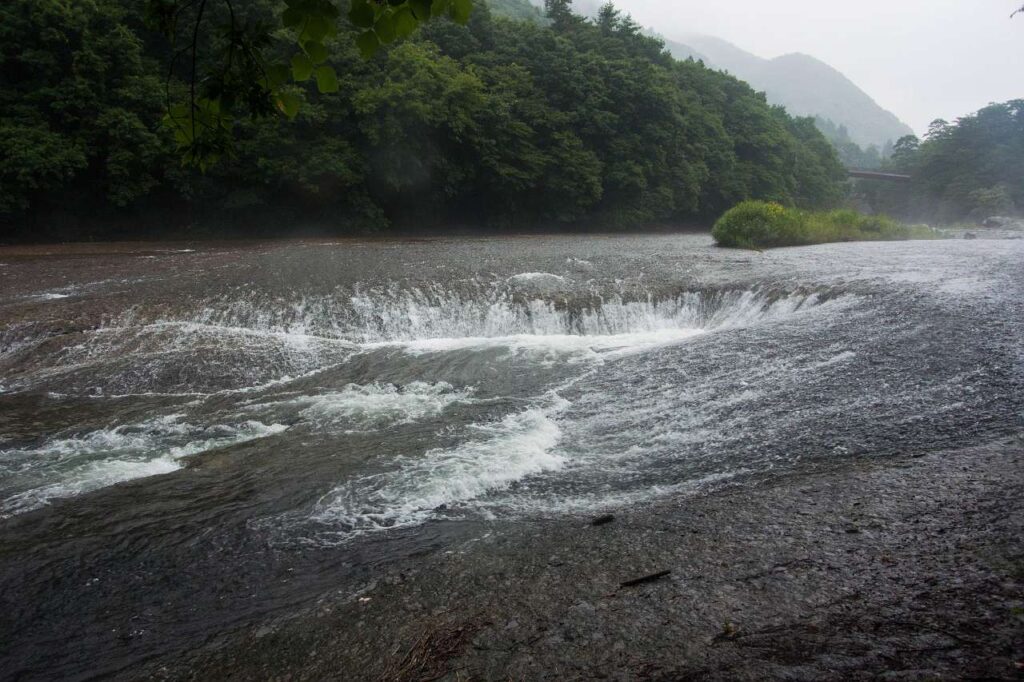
195	436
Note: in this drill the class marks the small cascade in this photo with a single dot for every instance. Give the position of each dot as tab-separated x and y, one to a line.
224	370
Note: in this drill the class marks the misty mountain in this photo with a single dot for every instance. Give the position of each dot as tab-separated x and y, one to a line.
803	84
806	86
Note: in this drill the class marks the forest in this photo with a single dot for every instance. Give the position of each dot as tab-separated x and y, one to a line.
967	170
511	121
501	123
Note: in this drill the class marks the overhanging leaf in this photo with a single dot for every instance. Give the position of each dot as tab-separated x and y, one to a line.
288	103
421	8
326	79
316	51
385	29
361	14
439	7
367	43
405	22
317	28
302	67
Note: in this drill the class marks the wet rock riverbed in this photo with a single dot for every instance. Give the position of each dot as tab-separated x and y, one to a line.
907	568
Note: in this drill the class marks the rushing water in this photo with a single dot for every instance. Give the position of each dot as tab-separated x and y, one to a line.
190	436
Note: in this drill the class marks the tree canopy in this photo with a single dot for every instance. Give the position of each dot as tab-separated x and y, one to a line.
493	123
226	60
966	170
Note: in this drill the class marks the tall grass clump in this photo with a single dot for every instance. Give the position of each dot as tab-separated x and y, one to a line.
763	225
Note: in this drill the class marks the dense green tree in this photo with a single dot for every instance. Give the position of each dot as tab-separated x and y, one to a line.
966	170
80	101
223	51
497	122
559	13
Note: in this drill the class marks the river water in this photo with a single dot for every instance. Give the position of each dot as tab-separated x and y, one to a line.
193	436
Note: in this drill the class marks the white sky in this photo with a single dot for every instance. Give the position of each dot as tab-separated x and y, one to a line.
921	59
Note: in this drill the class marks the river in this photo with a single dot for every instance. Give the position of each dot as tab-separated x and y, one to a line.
194	437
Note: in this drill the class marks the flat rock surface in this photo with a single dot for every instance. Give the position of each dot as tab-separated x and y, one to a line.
907	568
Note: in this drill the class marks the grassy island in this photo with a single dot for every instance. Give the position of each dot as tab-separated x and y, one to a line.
760	225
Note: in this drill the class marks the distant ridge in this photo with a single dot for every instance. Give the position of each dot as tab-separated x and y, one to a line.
806	86
803	84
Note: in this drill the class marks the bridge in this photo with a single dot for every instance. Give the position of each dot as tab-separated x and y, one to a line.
875	175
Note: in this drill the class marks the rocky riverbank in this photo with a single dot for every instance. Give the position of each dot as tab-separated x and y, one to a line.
903	568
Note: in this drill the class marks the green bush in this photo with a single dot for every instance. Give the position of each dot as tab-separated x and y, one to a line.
759	225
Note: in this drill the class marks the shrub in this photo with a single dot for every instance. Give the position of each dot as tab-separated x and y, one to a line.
759	224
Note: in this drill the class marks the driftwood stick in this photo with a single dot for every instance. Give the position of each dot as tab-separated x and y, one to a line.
645	579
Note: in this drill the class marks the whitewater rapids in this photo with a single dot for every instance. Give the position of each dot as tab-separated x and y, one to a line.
262	420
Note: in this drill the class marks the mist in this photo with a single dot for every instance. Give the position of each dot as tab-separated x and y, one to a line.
921	59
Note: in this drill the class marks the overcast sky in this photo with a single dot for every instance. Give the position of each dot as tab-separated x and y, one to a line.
921	59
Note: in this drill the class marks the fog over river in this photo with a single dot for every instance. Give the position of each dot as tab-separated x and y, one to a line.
193	436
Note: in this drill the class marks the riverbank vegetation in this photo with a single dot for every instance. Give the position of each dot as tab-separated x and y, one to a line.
501	123
962	171
762	225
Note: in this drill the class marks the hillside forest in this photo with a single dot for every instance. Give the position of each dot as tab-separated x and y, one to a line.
962	171
500	123
505	123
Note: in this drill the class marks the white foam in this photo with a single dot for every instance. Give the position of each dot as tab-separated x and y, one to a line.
558	343
49	296
306	334
71	466
614	327
837	359
497	456
91	477
375	406
544	277
579	264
